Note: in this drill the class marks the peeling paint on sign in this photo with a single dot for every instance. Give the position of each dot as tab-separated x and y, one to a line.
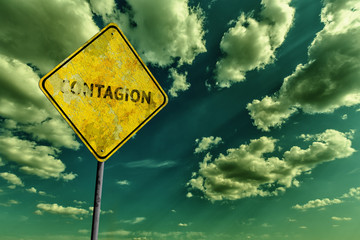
104	91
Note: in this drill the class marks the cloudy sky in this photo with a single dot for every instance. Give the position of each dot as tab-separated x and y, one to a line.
259	140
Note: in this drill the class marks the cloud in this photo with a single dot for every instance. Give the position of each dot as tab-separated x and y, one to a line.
123	182
330	78
165	30
91	209
206	143
353	192
84	231
31	190
56	209
68	176
10	203
25	107
12	179
163	33
182	224
116	233
246	172
251	44
170	235
148	163
179	84
34	190
341	218
25	23
26	112
135	220
102	7
32	158
317	203
79	202
54	131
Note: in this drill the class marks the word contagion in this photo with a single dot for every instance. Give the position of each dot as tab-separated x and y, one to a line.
110	92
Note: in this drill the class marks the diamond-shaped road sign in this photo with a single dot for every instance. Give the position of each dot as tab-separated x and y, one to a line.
104	91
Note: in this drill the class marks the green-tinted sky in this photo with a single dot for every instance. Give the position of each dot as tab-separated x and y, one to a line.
259	140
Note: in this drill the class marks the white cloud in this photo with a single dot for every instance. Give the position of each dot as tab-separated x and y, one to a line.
102	7
269	112
79	202
55	131
91	209
246	172
182	224
25	23
317	203
251	44
32	158
206	143
31	190
135	220
10	203
115	233
330	78
165	30
76	213
25	107
84	231
26	111
123	182
68	176
341	218
180	84
149	163
353	192
20	96
34	190
12	179
163	33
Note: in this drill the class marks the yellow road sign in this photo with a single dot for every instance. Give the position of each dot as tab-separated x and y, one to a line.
104	91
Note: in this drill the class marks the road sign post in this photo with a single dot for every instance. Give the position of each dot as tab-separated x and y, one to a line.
97	201
106	94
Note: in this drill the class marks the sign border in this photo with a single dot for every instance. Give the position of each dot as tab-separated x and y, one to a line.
68	59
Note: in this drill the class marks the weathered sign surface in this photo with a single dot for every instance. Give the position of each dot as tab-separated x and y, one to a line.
104	91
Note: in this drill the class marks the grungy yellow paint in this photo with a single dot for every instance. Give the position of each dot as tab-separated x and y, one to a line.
104	91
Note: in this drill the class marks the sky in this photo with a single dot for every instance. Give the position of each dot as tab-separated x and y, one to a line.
259	139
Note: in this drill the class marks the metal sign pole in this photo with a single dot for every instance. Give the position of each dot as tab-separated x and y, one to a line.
97	201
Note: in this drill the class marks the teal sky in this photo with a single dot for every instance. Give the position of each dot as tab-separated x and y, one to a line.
259	139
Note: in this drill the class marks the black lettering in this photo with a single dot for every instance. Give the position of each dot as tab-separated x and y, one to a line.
99	86
118	94
146	97
73	86
91	89
137	95
87	90
126	94
108	92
